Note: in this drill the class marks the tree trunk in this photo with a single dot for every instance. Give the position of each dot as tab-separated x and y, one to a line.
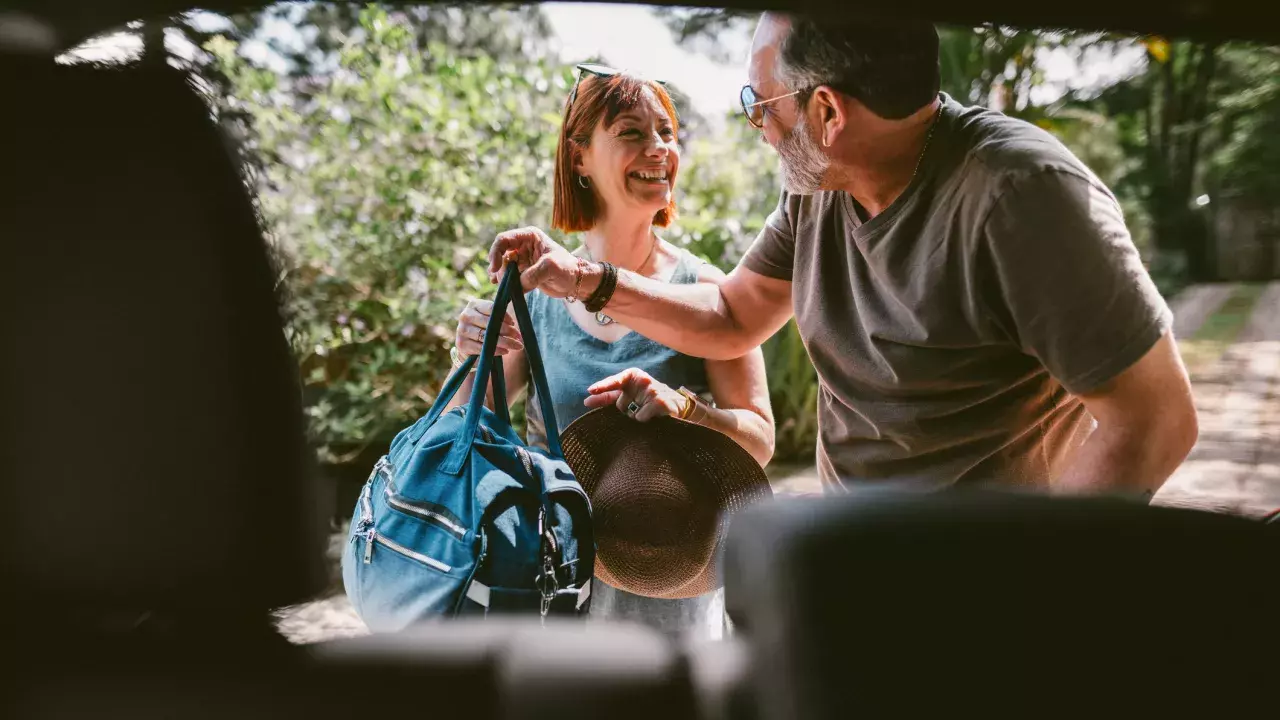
1168	107
1196	239
1181	90
1197	110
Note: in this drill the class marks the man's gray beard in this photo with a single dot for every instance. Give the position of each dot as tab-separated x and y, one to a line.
803	165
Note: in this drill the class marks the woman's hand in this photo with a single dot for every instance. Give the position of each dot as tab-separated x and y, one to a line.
635	385
472	322
544	263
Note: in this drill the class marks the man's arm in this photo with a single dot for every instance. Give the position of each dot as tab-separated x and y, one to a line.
1067	283
716	321
1146	427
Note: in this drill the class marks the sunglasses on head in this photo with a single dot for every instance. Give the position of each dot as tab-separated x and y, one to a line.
600	71
753	106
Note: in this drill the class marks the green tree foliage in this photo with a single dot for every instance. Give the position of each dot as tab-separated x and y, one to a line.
1247	119
384	185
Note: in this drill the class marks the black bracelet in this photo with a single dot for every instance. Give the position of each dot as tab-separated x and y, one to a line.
604	292
613	286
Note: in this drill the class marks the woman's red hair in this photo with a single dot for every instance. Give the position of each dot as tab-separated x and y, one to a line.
599	98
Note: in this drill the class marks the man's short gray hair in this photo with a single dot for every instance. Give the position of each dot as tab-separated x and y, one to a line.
891	67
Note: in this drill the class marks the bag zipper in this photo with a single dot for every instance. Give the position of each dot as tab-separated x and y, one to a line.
483	539
525	460
366	493
372	536
424	513
366	505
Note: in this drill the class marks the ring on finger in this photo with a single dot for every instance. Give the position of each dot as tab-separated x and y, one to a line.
634	407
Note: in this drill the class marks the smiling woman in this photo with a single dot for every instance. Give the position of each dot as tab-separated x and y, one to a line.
617	165
609	121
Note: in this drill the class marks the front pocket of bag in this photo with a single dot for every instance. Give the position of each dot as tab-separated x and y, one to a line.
399	586
409	563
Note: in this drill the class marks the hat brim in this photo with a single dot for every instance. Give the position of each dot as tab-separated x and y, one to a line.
729	477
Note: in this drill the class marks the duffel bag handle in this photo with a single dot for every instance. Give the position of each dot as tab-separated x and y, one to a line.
509	292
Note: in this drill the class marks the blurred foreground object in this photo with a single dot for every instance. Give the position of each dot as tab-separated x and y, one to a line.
152	447
881	604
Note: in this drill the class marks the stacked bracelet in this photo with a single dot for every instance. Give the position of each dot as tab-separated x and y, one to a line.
604	292
577	280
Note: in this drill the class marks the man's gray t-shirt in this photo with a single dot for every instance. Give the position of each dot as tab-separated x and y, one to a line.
952	332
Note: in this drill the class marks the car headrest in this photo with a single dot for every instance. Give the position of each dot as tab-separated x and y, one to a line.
152	443
905	604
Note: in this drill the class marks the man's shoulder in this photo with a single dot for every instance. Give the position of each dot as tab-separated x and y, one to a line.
811	209
999	149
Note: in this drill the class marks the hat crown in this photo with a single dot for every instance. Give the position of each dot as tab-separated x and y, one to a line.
661	493
654	518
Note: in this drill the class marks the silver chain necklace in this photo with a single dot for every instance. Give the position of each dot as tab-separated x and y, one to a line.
601	318
928	136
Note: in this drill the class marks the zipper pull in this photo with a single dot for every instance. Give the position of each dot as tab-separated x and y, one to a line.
366	504
368	546
547	586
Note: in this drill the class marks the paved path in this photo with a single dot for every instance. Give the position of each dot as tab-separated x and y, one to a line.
1235	467
1195	304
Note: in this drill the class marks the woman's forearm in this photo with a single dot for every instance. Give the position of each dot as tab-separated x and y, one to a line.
746	427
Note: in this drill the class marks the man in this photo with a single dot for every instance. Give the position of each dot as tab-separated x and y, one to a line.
966	288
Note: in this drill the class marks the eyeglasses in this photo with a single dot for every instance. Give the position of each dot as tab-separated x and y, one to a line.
600	71
753	107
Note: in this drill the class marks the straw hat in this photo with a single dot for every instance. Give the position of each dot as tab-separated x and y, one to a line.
661	495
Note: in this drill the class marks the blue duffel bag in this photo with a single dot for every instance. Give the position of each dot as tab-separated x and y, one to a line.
460	517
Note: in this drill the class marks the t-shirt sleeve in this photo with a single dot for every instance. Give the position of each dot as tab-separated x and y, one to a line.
774	250
1068	279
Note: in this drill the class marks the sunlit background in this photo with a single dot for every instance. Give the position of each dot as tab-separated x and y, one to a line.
388	146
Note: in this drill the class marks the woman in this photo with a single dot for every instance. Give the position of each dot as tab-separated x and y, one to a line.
616	168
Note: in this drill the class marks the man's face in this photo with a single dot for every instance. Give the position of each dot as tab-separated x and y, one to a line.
804	165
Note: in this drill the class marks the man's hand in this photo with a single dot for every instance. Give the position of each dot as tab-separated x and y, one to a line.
544	264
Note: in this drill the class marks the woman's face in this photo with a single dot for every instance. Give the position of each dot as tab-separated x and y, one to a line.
632	163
